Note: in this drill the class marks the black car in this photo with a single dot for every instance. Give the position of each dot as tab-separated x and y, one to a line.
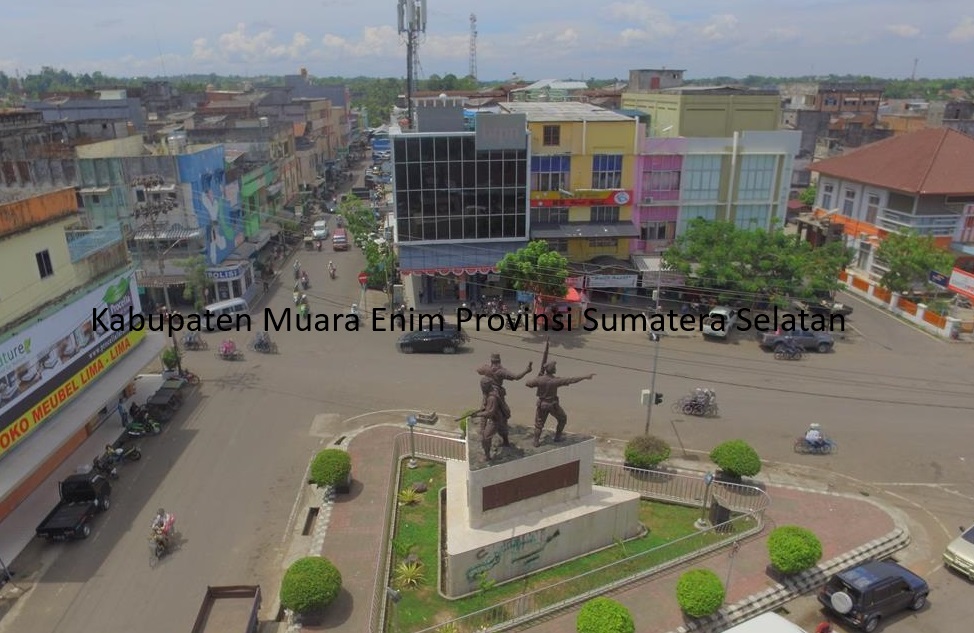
865	594
447	341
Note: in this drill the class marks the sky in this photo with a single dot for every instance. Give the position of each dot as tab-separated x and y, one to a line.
534	39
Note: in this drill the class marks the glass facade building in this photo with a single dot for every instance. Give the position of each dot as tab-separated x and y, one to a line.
446	190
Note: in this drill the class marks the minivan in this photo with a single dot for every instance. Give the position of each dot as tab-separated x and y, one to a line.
766	623
230	306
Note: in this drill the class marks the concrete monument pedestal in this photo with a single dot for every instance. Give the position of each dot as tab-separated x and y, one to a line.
528	509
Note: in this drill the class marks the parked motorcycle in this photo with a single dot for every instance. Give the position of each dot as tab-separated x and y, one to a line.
146	427
789	352
115	456
102	466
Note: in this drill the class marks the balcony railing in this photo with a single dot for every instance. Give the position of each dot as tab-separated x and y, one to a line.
932	225
85	243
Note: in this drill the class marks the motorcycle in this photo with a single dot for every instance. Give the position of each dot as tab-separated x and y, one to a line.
115	456
305	282
143	428
789	352
161	538
229	351
804	447
332	272
102	466
263	344
194	342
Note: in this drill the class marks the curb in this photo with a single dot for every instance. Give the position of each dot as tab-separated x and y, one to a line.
797	585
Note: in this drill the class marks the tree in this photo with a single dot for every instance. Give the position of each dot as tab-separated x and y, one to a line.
754	263
910	258
736	458
537	269
358	217
807	196
196	281
604	615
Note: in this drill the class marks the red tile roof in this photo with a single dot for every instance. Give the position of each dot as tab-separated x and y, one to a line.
937	161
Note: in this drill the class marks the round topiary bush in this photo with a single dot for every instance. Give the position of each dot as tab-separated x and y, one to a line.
736	458
309	585
699	592
331	467
646	451
602	615
793	549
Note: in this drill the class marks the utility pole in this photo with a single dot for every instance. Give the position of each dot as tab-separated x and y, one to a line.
473	46
412	23
656	339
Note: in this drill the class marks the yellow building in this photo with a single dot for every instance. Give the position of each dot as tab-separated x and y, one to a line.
706	111
582	165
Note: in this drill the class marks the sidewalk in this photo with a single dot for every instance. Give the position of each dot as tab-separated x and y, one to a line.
845	524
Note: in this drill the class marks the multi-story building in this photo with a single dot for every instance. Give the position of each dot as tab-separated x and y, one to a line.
919	182
461	202
744	179
702	111
548	90
100	115
317	137
59	372
959	115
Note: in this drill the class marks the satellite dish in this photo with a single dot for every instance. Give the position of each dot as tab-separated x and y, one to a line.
841	602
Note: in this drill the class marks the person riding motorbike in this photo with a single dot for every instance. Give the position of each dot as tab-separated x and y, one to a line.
228	348
354	309
162	528
332	271
305	281
813	436
263	341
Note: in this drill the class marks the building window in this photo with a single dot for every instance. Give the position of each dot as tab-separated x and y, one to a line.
44	266
827	191
96	199
604	214
701	177
550	215
140	195
661	181
831	101
751	216
849	202
603	242
606	171
550	173
658	231
757	178
707	212
559	245
872	208
551	135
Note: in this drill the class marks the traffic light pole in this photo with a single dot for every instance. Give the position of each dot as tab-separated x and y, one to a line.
657	339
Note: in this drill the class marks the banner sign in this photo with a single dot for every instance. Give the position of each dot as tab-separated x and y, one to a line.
611	281
47	364
590	198
962	283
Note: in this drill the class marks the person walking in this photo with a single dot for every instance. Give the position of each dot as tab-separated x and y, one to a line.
122	413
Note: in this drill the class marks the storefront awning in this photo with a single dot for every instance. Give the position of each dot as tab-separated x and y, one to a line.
583	230
170	233
454	259
650	268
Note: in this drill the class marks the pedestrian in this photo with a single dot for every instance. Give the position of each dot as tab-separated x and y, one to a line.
420	296
122	413
267	284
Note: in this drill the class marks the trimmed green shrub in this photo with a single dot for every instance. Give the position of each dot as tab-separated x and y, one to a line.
310	584
170	357
602	615
736	458
646	451
331	467
699	592
793	549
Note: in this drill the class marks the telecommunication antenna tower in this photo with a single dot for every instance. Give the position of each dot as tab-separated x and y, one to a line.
473	46
412	23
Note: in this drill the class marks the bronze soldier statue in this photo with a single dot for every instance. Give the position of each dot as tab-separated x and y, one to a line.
498	373
547	384
493	421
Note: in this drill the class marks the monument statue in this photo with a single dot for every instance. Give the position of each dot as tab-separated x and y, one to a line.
498	373
547	384
493	419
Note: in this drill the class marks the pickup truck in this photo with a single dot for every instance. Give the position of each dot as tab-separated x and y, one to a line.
82	497
823	307
806	339
719	322
230	609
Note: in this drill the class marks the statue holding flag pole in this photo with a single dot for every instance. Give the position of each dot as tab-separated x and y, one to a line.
546	385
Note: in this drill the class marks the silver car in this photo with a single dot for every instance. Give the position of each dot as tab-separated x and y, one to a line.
959	554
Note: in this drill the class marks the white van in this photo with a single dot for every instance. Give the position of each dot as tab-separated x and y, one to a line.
766	623
230	306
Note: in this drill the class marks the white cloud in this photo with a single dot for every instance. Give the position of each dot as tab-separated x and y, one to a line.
720	27
963	32
376	41
568	36
784	34
903	30
646	23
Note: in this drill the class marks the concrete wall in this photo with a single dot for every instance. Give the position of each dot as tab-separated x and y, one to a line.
582	452
128	146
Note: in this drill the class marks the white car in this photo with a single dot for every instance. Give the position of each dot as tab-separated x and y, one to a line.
960	553
320	230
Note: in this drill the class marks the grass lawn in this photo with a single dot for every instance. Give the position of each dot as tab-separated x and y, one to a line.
417	535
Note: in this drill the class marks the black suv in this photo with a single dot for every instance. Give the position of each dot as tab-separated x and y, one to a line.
865	594
446	341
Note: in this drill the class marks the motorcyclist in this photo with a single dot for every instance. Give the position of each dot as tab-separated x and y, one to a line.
813	436
355	309
162	523
332	271
228	347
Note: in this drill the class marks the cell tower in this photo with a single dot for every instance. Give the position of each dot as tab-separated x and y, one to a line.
473	46
412	23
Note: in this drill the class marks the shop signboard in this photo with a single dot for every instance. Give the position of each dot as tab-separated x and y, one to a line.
586	198
611	281
45	366
962	283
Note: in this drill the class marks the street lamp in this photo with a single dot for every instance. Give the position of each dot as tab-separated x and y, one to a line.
411	423
702	523
655	398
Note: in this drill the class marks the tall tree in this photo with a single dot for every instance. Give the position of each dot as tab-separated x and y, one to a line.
537	269
196	281
910	258
807	196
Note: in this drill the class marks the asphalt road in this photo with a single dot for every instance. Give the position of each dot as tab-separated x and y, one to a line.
897	401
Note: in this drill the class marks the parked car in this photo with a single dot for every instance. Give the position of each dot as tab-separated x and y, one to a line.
320	230
823	307
727	319
822	342
447	341
865	594
959	554
82	496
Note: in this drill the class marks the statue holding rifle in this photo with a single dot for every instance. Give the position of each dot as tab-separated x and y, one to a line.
546	385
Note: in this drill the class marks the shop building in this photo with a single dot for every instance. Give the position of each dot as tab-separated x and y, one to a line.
461	202
60	373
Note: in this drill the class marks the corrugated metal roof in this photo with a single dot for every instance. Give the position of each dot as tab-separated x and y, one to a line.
930	161
561	111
